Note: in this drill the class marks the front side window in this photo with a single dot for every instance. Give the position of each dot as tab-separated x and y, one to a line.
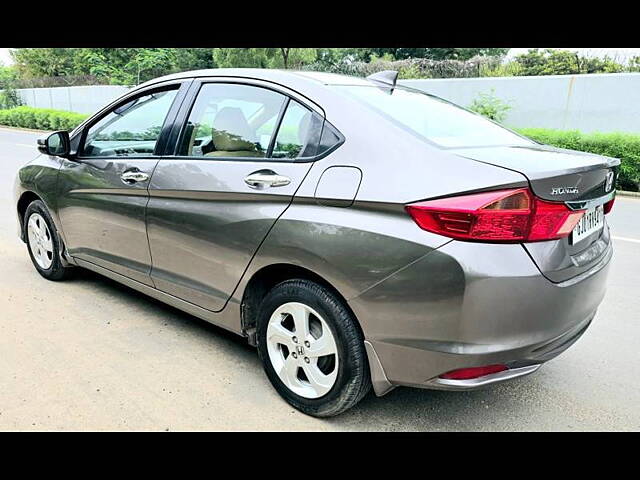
131	129
232	120
434	119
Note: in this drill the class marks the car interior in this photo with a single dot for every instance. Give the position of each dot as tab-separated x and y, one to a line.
224	127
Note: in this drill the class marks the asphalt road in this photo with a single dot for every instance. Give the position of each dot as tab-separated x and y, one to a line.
89	354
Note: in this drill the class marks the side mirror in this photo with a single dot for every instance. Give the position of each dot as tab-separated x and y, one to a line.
55	144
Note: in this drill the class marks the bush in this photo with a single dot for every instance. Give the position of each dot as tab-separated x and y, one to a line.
9	98
490	106
410	67
40	118
624	146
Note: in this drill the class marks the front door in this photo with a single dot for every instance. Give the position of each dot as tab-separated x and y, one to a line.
237	167
103	190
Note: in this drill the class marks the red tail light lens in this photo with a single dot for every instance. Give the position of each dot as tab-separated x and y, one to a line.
608	206
502	216
474	372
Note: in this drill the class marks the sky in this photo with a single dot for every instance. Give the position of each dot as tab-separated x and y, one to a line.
621	54
5	59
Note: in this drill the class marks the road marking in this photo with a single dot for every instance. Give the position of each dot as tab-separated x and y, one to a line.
627	239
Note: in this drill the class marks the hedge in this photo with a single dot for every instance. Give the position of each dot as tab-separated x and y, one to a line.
624	146
40	118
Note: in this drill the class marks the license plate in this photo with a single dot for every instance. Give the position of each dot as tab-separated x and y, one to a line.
591	221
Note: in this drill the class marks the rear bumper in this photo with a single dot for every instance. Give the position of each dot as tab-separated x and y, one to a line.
468	305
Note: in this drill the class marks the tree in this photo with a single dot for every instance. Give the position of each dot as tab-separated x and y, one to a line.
463	53
291	57
9	97
118	65
327	57
242	57
8	76
264	57
435	53
148	63
563	62
599	65
39	62
194	59
127	66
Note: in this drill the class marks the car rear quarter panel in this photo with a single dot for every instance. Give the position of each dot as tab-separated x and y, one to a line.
357	246
469	304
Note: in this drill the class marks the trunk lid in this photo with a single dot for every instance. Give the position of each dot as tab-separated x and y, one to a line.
580	180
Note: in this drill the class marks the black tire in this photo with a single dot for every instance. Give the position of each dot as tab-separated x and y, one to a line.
56	270
353	379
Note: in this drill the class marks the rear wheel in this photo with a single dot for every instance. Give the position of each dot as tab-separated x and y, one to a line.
312	348
43	242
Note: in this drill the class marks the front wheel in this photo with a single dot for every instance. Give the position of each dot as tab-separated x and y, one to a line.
43	242
312	348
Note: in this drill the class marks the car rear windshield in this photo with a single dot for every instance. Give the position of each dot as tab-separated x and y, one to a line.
432	118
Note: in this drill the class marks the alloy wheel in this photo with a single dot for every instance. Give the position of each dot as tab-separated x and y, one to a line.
40	241
302	350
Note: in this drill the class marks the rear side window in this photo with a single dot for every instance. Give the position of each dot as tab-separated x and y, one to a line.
131	129
246	121
295	135
329	140
232	120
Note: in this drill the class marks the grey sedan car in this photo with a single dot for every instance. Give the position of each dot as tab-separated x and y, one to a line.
358	233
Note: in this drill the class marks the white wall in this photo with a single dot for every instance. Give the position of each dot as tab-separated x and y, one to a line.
87	99
599	102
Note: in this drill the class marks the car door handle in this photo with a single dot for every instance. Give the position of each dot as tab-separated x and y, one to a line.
266	178
134	176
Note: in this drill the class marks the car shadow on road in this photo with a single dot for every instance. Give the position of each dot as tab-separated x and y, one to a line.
401	409
494	408
102	284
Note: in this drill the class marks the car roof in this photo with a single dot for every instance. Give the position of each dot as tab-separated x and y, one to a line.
273	75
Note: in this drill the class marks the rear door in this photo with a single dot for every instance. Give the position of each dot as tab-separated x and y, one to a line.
241	153
102	191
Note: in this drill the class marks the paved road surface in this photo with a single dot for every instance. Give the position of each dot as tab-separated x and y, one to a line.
91	354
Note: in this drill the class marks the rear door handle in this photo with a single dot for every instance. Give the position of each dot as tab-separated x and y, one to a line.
134	176
266	178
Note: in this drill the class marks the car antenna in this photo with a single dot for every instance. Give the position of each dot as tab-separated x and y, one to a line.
386	77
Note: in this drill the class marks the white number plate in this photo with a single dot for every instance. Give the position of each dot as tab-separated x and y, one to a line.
591	221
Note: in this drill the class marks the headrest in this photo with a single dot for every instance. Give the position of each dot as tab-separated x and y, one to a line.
231	131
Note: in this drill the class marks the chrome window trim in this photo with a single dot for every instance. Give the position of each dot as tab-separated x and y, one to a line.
289	94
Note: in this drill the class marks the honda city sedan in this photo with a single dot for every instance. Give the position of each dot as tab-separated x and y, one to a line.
359	233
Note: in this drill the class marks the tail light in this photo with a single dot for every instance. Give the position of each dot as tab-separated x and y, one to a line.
473	372
508	216
608	206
